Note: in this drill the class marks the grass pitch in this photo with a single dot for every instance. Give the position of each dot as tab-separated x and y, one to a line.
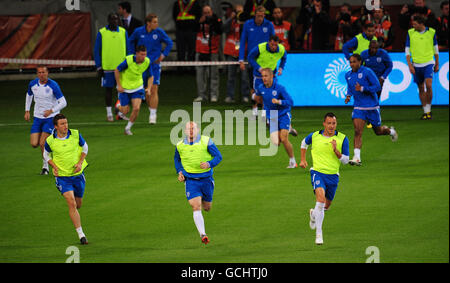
135	210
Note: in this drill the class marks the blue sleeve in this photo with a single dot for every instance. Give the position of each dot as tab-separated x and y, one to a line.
214	151
149	71
251	58
47	147
345	147
122	66
308	139
81	141
177	160
352	43
364	56
98	51
257	91
407	44
287	99
169	43
283	60
435	40
242	42
56	89
128	45
29	91
389	65
272	28
374	83
349	87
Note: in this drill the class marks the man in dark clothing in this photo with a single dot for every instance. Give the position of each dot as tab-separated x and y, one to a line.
186	14
316	23
418	8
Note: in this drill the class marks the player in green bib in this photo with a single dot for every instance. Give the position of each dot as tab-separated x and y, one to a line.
422	56
330	148
195	157
130	84
65	151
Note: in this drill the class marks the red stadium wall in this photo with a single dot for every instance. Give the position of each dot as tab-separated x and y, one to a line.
53	36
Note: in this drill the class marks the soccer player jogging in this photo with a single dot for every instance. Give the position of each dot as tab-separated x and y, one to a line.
363	85
66	150
330	148
195	157
152	37
48	101
379	61
278	104
423	50
130	84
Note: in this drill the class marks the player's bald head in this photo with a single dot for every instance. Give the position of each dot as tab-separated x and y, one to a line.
191	129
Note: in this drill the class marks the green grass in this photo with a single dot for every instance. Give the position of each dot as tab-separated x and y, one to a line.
135	210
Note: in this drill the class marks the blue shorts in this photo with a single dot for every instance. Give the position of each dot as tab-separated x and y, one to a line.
74	183
156	70
108	79
371	116
44	125
284	122
199	187
423	73
328	182
125	98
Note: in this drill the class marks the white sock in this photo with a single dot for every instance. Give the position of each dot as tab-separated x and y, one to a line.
318	216
199	222
292	160
255	110
109	111
129	125
80	232
152	111
393	132
44	164
428	108
357	155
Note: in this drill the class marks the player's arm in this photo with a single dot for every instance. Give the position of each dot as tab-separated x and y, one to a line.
242	42
282	63
117	71
28	101
436	54
349	90
169	44
83	144
215	153
60	99
178	166
373	82
251	58
47	155
303	148
389	66
98	54
345	153
352	43
408	55
286	98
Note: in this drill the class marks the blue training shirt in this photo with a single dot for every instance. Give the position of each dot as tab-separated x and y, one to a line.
275	91
212	149
253	55
380	63
152	41
253	35
366	98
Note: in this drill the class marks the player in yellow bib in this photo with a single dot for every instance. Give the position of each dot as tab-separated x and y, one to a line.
130	84
65	151
330	148
195	157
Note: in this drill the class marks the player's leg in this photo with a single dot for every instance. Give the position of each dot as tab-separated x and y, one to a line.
275	138
42	138
429	95
124	107
214	79
153	99
194	197
136	105
108	104
358	125
284	139
318	213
